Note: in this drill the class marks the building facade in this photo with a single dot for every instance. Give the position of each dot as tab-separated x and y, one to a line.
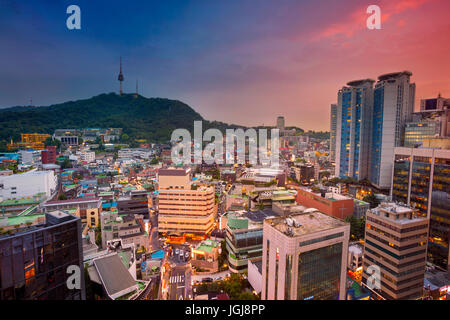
305	257
395	244
184	210
354	112
35	260
244	237
333	127
334	204
416	132
28	184
393	106
421	178
48	155
138	202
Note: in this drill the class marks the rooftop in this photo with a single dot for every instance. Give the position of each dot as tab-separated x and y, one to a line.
308	222
249	219
18	220
14	202
174	171
397	213
77	200
208	245
115	277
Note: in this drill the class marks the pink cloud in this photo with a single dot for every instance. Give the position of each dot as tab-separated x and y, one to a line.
356	21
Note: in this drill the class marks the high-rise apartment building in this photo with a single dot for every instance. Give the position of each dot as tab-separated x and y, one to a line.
304	257
280	123
353	115
333	126
421	178
183	208
393	105
395	244
35	260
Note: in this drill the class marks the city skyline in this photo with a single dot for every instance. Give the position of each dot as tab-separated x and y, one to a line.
290	57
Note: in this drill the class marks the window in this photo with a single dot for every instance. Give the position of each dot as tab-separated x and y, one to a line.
319	273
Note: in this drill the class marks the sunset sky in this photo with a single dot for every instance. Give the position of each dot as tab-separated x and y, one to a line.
238	61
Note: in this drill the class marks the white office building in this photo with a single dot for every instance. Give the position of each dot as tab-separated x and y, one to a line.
30	157
28	184
130	153
86	156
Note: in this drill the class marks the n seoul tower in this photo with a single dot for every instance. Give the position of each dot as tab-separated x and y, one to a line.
120	78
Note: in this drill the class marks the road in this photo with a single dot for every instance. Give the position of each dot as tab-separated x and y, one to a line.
179	282
222	274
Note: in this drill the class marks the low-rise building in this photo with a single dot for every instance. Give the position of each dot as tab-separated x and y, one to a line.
90	208
355	256
333	204
28	184
244	236
124	227
206	255
360	208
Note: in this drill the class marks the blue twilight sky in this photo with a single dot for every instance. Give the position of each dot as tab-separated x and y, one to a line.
240	61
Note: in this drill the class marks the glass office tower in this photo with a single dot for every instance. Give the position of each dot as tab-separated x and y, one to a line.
421	179
305	257
34	260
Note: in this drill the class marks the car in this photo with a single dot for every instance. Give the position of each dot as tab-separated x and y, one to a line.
187	255
207	279
177	251
219	278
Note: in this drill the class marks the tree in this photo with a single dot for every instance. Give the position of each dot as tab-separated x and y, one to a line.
357	227
52	142
98	236
246	296
66	164
326	174
223	257
3	145
62	196
372	200
124	137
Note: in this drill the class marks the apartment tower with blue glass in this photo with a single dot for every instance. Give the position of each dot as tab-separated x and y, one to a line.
353	114
393	106
333	124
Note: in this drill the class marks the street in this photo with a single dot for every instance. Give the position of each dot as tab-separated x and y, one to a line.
179	282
